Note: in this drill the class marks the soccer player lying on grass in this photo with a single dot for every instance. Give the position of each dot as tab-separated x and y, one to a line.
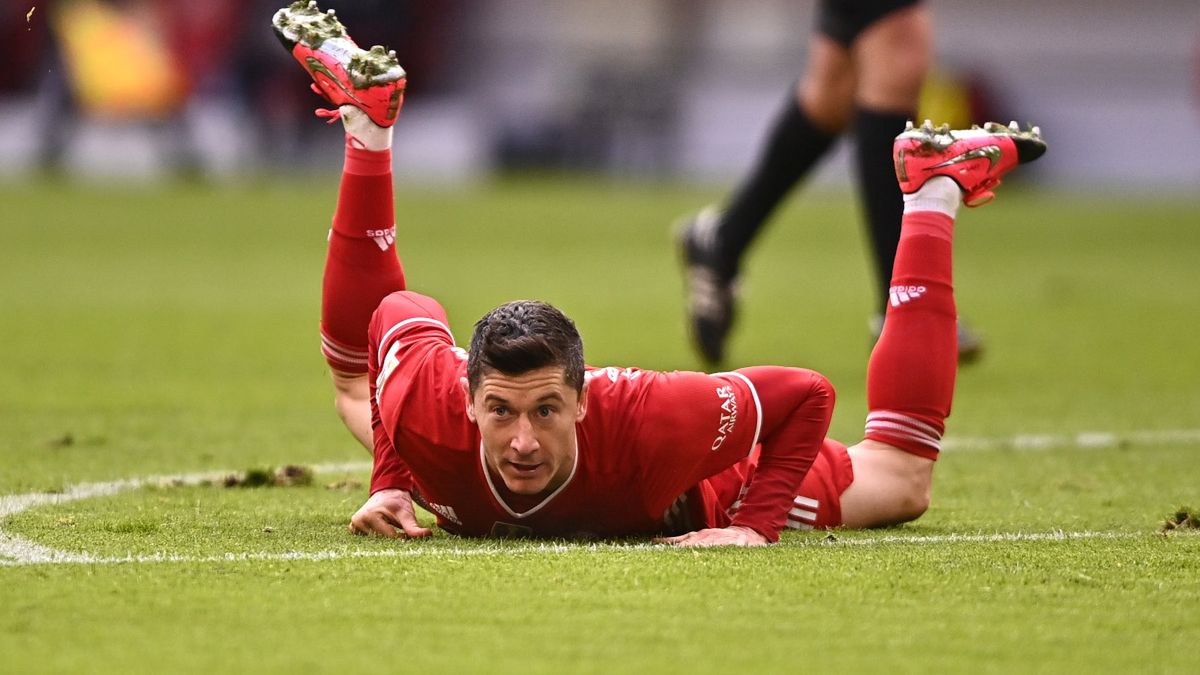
518	438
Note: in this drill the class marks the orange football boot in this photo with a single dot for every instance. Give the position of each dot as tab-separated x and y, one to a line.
974	158
343	73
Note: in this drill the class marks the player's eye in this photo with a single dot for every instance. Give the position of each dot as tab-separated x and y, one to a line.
499	411
545	411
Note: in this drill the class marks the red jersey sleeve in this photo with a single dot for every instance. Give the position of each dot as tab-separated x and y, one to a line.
796	406
691	426
411	350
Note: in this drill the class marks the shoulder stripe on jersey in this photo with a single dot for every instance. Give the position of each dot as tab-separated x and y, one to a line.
418	319
757	407
388	362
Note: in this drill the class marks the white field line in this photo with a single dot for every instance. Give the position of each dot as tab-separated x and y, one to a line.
15	550
1083	439
41	555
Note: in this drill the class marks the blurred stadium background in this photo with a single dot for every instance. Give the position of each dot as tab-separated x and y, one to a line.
164	197
135	90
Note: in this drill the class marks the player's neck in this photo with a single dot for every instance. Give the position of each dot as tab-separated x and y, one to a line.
522	503
519	502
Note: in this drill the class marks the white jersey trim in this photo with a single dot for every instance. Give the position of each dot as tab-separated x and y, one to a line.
418	319
388	362
487	474
757	406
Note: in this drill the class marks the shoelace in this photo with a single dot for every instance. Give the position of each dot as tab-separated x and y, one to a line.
329	115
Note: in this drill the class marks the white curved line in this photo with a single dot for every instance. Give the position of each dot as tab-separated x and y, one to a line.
18	550
15	550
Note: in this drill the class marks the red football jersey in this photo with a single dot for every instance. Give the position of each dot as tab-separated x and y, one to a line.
645	448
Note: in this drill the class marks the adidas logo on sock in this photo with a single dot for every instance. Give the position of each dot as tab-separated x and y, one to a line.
898	295
383	238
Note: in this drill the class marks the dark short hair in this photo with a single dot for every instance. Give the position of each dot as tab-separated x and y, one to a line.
525	335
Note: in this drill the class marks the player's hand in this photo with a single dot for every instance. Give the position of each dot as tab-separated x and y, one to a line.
389	513
734	535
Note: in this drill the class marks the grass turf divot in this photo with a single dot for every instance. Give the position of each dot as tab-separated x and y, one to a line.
291	475
1184	518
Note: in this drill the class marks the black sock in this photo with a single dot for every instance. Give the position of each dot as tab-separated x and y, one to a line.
792	148
883	203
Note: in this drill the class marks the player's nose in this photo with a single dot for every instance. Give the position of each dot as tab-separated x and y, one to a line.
524	441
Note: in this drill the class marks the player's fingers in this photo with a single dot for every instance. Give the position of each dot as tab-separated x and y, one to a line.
704	539
374	522
695	542
417	532
408	522
358	525
414	531
388	524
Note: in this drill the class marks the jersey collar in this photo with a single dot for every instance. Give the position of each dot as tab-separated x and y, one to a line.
487	475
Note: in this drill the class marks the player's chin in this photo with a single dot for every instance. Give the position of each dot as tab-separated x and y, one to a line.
526	479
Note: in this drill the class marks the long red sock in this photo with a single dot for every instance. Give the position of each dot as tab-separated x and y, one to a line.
910	378
361	267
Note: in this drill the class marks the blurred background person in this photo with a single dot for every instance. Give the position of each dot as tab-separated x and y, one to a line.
141	88
866	66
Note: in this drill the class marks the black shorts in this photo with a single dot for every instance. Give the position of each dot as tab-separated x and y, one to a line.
844	20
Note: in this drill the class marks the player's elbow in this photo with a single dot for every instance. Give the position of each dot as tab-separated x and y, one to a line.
820	397
821	388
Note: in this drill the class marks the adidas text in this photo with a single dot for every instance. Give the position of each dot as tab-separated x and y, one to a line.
898	295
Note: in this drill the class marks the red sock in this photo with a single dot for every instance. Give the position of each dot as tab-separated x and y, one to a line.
910	378
361	267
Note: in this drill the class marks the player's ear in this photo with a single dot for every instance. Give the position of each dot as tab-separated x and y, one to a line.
582	404
470	403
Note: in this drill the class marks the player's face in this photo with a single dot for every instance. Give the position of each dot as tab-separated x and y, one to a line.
528	426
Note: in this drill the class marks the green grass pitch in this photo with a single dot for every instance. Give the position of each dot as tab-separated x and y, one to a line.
173	331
